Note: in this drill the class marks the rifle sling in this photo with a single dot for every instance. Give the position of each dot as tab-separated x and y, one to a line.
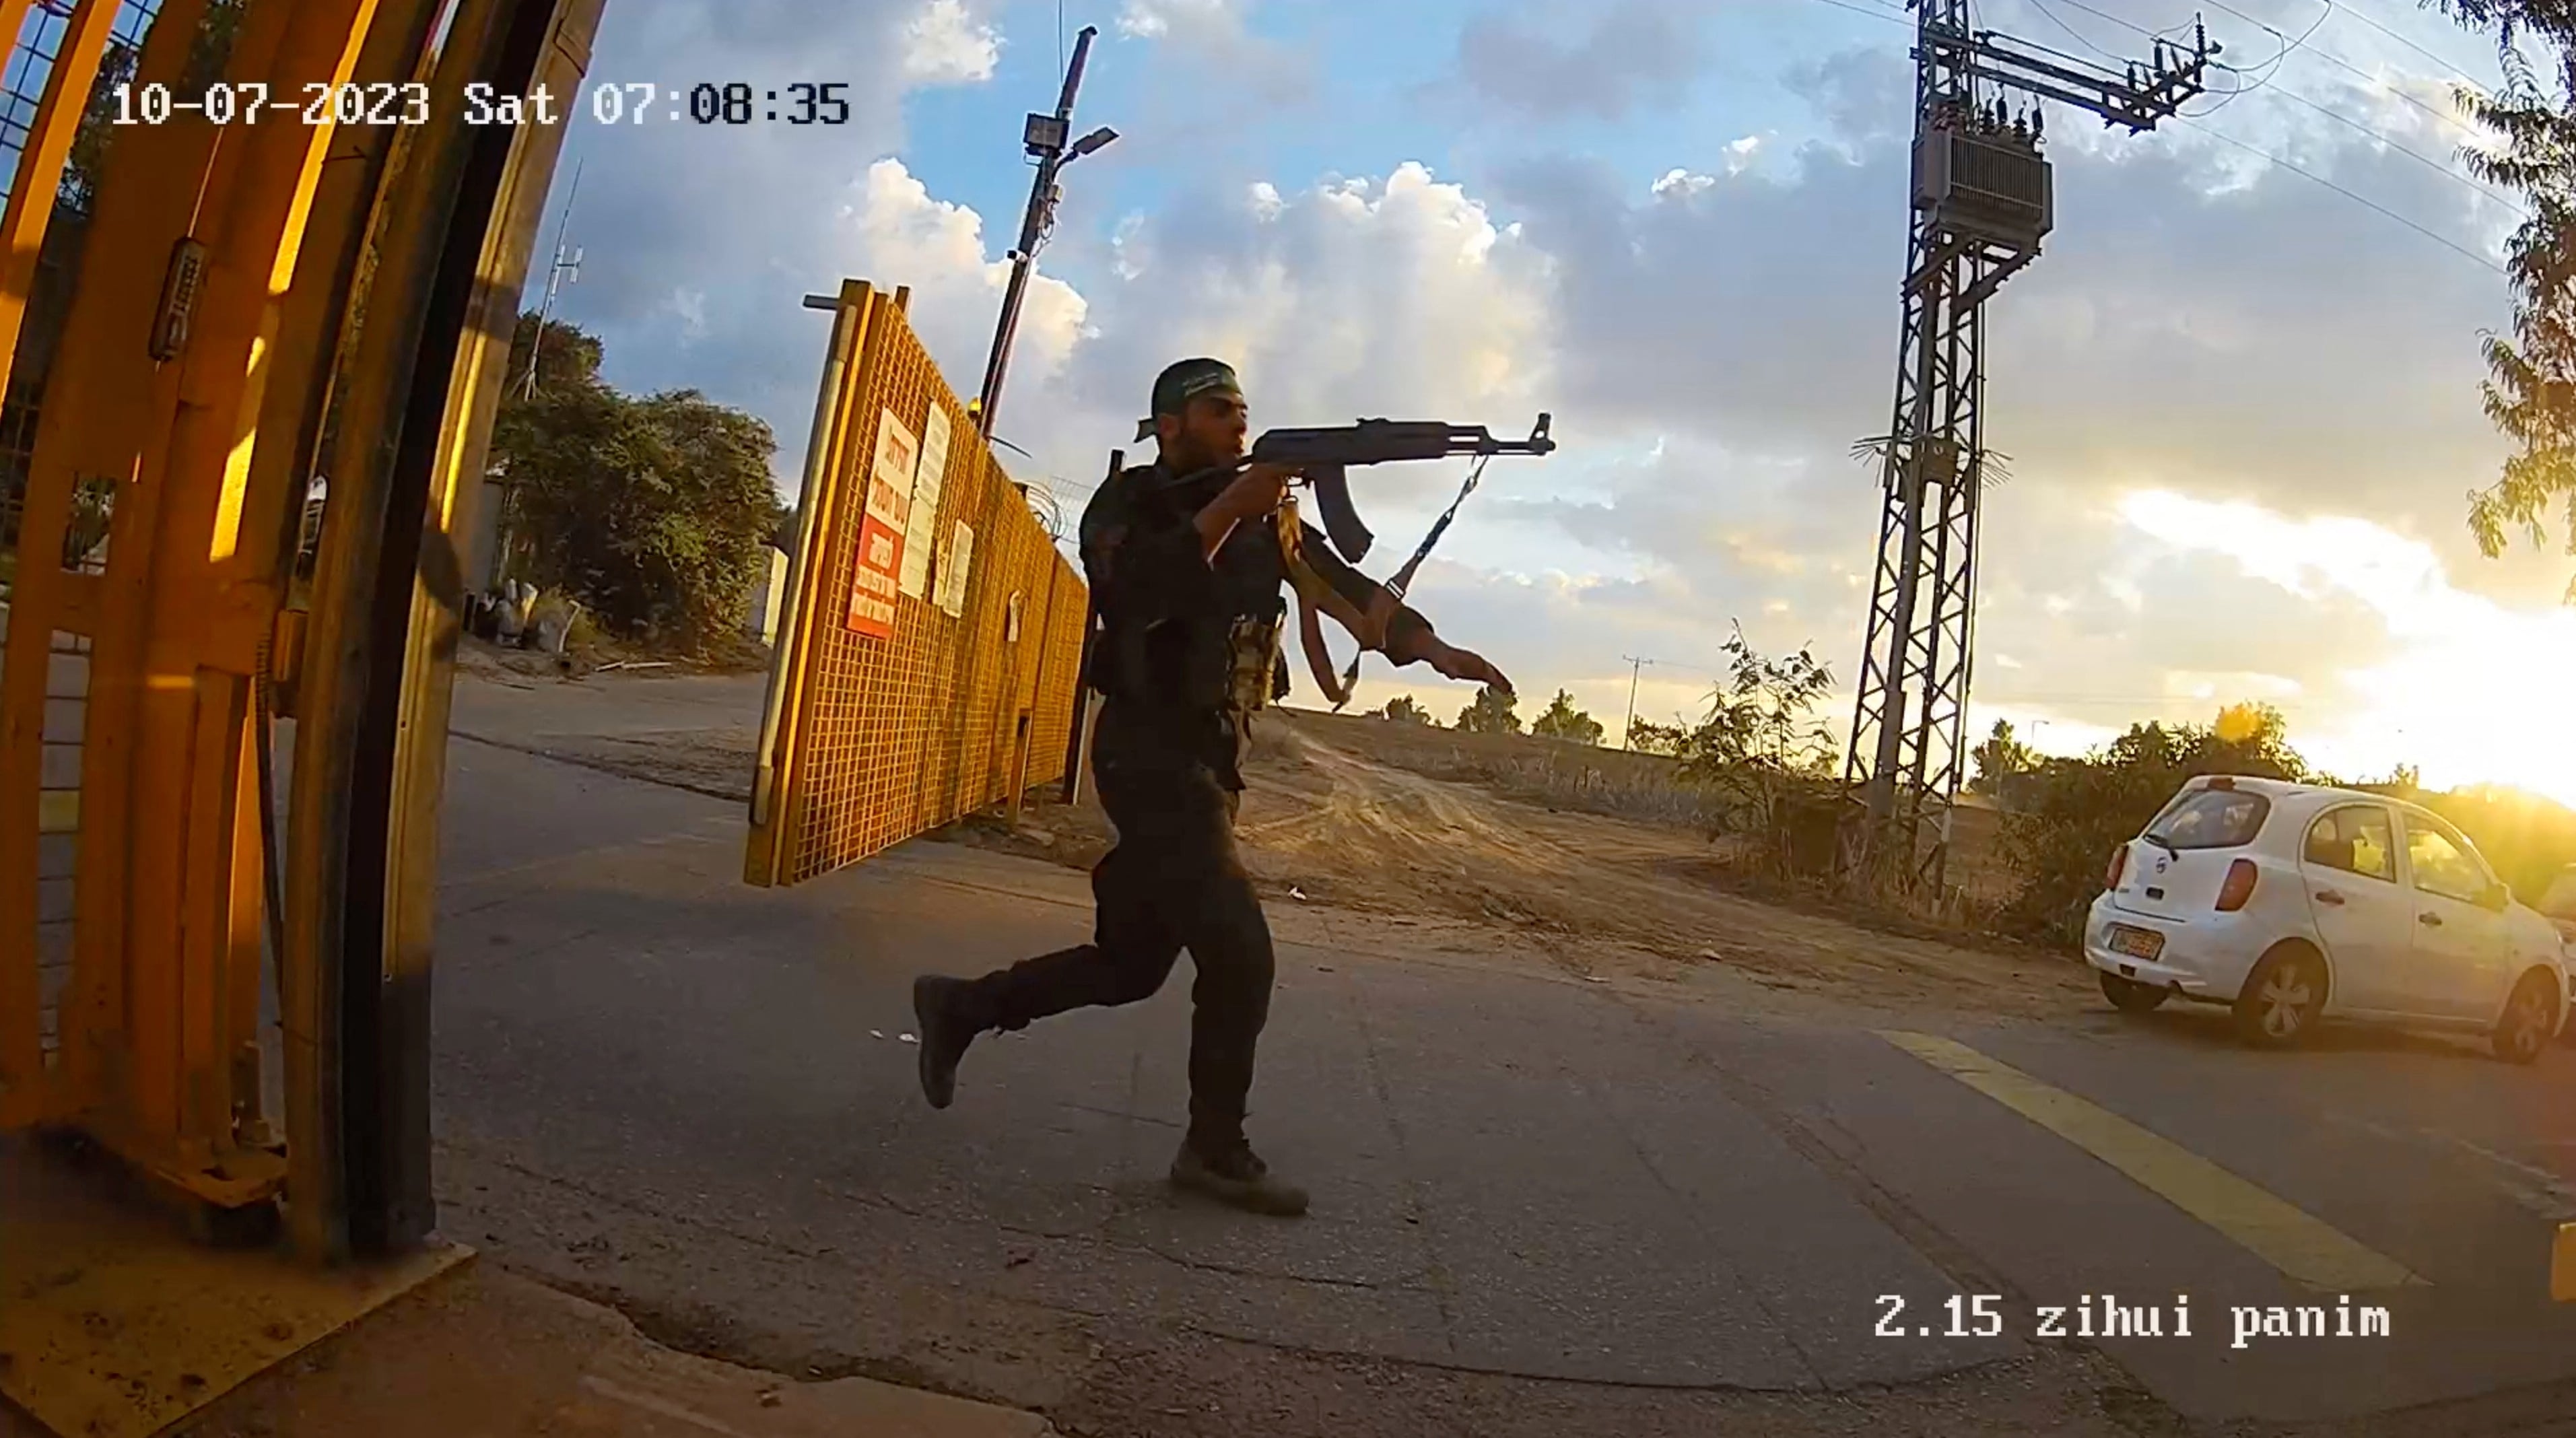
1403	581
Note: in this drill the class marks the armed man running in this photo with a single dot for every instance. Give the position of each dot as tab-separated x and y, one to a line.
1185	558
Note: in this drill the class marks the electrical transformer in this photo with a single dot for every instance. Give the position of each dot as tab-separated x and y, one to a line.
1986	182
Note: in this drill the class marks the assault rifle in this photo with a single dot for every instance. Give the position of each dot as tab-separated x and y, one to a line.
1326	453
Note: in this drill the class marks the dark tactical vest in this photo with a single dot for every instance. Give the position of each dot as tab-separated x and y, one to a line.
1218	657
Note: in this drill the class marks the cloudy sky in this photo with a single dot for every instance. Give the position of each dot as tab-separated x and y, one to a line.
2238	392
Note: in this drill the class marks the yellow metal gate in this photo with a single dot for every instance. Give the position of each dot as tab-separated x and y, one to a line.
884	725
181	295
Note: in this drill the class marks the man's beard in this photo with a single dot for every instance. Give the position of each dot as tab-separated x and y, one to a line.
1189	458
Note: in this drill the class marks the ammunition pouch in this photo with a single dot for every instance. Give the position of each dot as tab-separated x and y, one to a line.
1235	665
1254	665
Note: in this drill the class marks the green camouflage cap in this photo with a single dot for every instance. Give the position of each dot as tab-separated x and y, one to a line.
1180	383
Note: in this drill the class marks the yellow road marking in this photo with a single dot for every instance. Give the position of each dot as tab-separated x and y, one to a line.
2302	1246
2562	1265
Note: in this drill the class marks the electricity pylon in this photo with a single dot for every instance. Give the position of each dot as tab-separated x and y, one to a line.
1982	202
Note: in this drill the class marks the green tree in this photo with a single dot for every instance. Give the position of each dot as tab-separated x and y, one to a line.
2530	391
1489	713
1563	721
1761	740
1403	710
1648	737
654	512
2000	758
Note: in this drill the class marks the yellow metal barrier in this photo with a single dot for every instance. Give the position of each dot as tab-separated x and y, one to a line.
905	695
185	320
128	657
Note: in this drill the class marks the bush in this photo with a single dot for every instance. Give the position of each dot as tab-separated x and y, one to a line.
2080	809
1760	746
1563	721
1489	713
1402	710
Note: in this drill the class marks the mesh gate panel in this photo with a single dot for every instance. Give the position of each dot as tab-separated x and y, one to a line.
901	735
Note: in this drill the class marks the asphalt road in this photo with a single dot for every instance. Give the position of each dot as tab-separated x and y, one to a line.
1542	1205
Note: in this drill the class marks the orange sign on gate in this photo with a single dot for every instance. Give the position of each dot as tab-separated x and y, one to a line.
879	573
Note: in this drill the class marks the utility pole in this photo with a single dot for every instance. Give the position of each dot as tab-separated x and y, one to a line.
1635	666
1044	138
563	270
1982	201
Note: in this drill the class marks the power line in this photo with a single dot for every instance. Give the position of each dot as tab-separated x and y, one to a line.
2450	70
2436	237
2289	46
2292	46
2436	166
2214	133
1875	12
2072	33
2450	65
2271	68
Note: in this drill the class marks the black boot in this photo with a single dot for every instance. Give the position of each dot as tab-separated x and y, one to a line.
939	1007
1228	1171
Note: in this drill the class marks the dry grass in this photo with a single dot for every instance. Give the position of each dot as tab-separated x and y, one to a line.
1647	788
1548	772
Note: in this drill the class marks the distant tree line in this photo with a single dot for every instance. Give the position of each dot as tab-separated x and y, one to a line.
656	512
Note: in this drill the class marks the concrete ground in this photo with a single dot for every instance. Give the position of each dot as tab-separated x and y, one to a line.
1545	1203
486	1352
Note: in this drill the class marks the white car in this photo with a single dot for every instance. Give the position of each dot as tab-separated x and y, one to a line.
2294	904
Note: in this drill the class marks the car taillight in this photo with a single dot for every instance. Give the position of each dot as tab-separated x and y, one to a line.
2238	888
2119	866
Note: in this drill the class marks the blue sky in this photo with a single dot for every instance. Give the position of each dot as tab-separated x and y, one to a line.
1677	225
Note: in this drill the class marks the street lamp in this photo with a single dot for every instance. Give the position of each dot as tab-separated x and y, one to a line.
1045	138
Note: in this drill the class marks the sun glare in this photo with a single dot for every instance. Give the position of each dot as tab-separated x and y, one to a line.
2474	692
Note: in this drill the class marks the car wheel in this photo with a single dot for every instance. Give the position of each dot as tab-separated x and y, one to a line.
2131	997
2530	1017
2282	998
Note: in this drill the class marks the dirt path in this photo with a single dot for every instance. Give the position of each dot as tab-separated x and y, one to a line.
1327	826
1343	839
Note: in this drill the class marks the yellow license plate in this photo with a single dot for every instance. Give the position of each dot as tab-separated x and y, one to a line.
2136	943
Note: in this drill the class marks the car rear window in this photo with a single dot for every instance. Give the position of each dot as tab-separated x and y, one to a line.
2211	819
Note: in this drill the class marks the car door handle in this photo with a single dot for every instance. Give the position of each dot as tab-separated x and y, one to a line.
2328	896
2433	921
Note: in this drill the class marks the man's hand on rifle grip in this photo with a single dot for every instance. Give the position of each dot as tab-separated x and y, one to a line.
1255	492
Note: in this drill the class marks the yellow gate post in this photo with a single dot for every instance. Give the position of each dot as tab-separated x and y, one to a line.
24	1082
186	399
769	853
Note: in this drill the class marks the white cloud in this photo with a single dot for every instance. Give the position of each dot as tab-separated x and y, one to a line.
1229	68
1155	19
1355	294
1352	297
1638	53
1678	181
895	229
945	45
691	306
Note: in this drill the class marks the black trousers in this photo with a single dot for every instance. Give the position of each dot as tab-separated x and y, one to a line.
1173	881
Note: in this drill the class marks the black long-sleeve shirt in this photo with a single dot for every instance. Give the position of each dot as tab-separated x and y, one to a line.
1189	645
